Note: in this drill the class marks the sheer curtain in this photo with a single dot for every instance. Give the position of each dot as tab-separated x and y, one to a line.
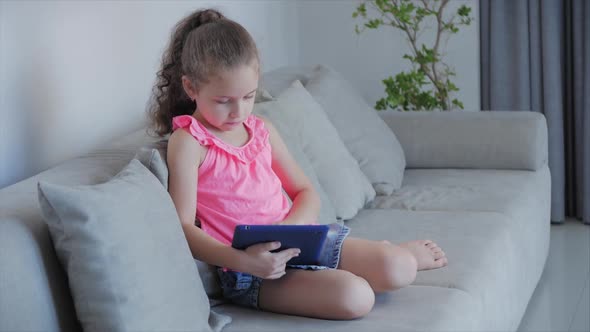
535	56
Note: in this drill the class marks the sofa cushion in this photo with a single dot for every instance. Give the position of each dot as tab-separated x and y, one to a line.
523	198
494	257
262	95
279	79
368	138
504	191
338	172
411	309
34	293
153	157
273	112
122	247
460	139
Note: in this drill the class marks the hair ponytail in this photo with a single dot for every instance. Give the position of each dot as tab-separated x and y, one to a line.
168	96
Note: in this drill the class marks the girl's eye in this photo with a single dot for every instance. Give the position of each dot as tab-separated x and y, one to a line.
222	102
249	97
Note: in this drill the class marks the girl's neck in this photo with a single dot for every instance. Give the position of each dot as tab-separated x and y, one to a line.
234	137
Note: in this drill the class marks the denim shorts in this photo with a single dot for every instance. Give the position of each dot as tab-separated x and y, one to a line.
243	289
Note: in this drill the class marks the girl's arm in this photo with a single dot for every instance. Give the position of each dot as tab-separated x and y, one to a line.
184	157
306	201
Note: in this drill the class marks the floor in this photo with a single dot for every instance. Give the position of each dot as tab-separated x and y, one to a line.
561	301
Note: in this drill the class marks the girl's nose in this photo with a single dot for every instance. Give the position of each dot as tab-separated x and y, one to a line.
238	110
235	113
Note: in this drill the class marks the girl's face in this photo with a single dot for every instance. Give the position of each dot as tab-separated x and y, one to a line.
227	99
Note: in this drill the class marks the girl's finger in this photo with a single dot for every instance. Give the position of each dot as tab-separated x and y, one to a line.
269	246
277	275
287	254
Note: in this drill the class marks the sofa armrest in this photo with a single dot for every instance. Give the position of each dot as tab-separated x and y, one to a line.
463	139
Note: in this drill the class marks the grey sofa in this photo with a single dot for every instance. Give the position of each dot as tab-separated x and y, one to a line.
477	183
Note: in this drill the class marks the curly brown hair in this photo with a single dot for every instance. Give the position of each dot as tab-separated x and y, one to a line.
201	44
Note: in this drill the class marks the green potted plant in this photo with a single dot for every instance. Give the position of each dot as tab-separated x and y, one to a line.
428	85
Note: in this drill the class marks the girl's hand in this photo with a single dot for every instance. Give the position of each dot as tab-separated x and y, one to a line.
265	264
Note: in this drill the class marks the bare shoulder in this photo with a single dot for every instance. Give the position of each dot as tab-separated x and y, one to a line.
264	119
268	124
276	141
184	148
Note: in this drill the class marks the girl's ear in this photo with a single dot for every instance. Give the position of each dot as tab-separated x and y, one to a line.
189	88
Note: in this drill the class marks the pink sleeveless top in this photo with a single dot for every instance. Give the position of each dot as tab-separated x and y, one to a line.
237	185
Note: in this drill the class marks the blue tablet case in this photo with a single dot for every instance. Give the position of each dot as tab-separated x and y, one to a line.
309	239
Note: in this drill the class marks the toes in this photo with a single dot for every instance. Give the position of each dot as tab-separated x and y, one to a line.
432	245
438	255
437	263
441	262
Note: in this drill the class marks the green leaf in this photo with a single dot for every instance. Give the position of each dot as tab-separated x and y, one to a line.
374	23
381	105
362	9
451	86
382	5
464	11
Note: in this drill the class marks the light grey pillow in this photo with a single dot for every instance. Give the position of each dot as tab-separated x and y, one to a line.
368	138
262	95
128	263
338	172
272	111
153	157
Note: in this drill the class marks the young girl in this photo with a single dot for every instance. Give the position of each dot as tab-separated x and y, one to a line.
228	167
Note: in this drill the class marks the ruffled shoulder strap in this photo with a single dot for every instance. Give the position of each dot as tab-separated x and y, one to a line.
257	128
258	140
193	127
259	136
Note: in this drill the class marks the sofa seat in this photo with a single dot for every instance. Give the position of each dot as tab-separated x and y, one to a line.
521	203
489	258
414	308
495	277
490	224
510	234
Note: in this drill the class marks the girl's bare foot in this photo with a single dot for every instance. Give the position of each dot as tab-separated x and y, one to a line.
428	254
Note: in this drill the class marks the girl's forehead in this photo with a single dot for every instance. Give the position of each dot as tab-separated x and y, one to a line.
234	82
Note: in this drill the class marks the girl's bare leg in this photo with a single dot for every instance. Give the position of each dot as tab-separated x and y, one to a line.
365	267
325	294
386	266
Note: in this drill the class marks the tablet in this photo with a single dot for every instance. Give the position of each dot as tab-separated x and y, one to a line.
309	239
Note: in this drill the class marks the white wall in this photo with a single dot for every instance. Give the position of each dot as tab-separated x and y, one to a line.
75	74
328	36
